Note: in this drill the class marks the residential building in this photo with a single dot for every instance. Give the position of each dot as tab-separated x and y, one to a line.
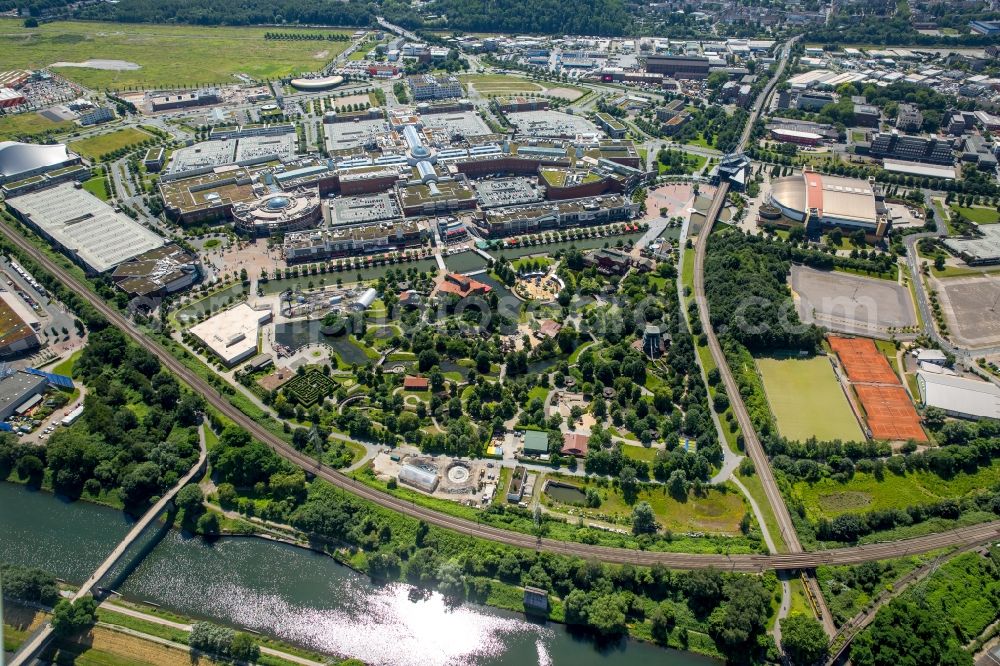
425	87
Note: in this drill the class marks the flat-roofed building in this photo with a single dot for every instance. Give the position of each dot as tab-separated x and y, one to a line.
209	196
347	241
959	396
165	270
18	325
17	390
576	212
184	100
88	230
232	334
907	148
678	66
434	86
982	249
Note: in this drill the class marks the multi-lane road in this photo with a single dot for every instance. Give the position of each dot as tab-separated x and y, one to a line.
743	563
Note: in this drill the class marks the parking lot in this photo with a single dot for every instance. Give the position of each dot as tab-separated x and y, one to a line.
970	305
851	303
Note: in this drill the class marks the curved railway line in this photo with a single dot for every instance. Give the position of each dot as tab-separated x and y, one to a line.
743	563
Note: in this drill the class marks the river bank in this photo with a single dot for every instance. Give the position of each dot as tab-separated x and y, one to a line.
296	595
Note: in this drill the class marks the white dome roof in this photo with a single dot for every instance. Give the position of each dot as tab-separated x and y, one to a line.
17	158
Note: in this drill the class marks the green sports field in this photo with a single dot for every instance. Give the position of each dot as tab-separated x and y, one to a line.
807	400
167	55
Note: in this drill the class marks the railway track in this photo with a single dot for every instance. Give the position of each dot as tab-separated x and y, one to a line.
742	563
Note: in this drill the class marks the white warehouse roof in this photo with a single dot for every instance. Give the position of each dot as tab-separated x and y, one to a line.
957	395
232	334
85	226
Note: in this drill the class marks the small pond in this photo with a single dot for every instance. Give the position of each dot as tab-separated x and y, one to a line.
565	493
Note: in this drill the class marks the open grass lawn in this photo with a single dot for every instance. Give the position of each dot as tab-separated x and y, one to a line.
827	498
17	125
496	84
539	392
978	214
639	452
98	186
96	146
168	55
66	367
807	400
718	512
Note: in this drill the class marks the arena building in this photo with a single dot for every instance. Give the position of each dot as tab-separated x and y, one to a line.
278	213
23	160
830	201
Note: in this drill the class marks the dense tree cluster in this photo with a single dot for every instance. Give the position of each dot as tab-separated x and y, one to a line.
224	642
907	632
29	584
249	12
112	448
745	282
592	17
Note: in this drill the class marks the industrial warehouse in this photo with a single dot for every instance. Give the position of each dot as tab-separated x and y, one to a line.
88	230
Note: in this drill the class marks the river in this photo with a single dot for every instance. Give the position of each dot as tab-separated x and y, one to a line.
297	595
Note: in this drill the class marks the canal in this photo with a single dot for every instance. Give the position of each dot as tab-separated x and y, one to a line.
297	595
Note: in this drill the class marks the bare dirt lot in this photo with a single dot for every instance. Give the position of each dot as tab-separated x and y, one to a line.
851	303
970	305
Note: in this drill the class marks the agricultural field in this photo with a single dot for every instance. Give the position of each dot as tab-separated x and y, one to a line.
977	214
18	125
94	147
166	55
827	498
807	400
502	84
717	512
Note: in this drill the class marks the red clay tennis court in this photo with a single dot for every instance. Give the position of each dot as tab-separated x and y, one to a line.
888	409
890	413
863	361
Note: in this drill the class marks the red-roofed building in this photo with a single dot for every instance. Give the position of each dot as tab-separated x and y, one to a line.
549	329
574	444
462	286
411	383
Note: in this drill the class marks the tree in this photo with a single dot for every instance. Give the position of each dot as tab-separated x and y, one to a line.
663	618
677	484
803	640
643	519
190	499
68	617
244	648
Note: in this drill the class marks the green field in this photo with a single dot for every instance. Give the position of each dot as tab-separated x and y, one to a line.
502	84
19	125
828	498
167	55
716	512
96	146
807	400
98	186
978	214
